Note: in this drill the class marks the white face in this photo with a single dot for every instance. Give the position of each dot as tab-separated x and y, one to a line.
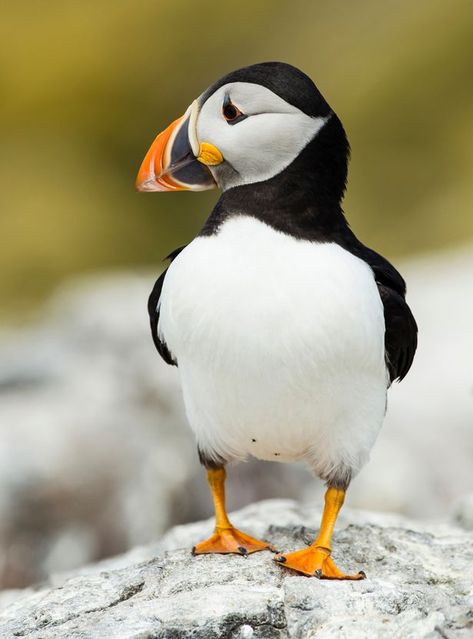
259	146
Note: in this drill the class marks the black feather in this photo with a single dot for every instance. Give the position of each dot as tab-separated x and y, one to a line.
289	83
400	339
153	312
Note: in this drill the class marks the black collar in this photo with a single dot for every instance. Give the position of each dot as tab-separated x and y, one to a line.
304	200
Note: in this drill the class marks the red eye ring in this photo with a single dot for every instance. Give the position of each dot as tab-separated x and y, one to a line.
231	112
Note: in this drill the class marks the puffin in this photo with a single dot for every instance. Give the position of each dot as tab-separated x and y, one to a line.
286	329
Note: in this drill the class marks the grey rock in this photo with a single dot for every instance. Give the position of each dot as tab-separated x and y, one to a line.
418	585
463	511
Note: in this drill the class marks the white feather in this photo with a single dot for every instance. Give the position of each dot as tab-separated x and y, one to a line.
280	341
262	145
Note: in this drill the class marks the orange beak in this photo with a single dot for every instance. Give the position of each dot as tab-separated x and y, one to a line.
171	163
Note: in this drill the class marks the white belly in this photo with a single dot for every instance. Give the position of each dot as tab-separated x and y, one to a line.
279	344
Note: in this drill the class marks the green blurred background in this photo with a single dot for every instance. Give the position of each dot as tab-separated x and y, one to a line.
85	86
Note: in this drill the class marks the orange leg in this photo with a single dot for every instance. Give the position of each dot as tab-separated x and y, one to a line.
315	560
226	538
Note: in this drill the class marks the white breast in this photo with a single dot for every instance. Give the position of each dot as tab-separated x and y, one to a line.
280	346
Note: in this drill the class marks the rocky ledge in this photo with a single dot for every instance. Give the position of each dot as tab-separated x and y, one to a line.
419	584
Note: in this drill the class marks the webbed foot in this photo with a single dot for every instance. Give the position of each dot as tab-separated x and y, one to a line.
315	561
230	540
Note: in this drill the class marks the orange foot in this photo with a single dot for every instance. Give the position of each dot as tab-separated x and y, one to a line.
315	562
228	540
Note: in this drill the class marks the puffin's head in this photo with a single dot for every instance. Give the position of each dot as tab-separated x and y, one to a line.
246	128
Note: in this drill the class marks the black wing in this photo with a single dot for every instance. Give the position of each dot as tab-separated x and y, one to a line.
400	341
153	311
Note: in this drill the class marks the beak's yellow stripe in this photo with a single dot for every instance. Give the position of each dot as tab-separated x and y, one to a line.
209	154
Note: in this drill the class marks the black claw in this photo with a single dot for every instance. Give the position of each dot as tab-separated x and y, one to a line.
193	550
362	574
242	550
281	559
318	574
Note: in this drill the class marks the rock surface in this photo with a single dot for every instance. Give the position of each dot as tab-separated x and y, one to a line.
418	585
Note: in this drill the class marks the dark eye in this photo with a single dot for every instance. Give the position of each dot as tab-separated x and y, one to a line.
231	113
